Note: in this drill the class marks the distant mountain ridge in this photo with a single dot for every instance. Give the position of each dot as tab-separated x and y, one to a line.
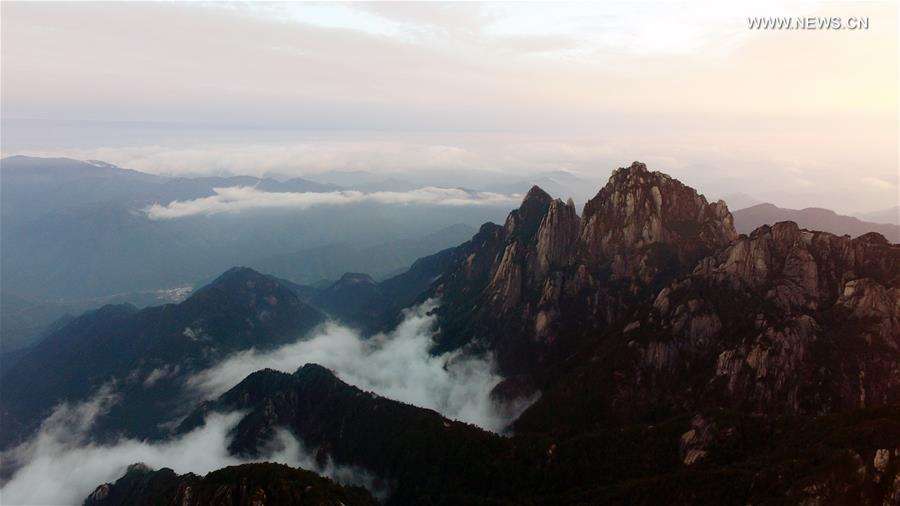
75	237
890	216
812	218
74	182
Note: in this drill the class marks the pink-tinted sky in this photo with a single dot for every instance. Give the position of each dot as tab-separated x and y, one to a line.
799	118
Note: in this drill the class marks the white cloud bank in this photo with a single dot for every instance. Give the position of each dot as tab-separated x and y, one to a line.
60	465
396	365
241	198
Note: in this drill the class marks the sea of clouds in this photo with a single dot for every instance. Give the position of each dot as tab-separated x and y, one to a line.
60	464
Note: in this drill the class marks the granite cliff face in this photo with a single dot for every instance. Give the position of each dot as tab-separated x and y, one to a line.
638	208
533	290
650	303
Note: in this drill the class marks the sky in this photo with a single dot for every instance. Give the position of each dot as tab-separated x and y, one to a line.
799	118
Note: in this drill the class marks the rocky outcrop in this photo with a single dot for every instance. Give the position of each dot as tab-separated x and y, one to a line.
540	237
243	485
650	301
555	278
638	208
802	267
785	321
556	237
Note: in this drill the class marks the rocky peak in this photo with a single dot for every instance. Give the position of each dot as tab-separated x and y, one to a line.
523	222
637	208
539	236
546	261
636	169
536	196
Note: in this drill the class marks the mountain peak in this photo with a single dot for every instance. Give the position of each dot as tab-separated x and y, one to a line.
237	274
244	280
635	170
246	290
315	372
524	221
638	167
638	207
536	193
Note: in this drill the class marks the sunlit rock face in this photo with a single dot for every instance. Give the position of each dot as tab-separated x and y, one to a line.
551	271
653	300
637	208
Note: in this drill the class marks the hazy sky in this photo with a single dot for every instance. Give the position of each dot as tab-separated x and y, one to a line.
798	118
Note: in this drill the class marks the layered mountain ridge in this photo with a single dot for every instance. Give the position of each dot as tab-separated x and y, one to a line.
674	358
653	290
149	353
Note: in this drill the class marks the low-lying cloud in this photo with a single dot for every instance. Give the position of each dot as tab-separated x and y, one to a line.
61	465
242	198
397	365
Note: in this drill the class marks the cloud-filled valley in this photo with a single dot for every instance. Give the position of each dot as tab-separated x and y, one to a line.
397	365
62	464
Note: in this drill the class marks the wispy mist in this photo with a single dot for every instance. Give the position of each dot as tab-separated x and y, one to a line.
242	198
61	465
397	365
